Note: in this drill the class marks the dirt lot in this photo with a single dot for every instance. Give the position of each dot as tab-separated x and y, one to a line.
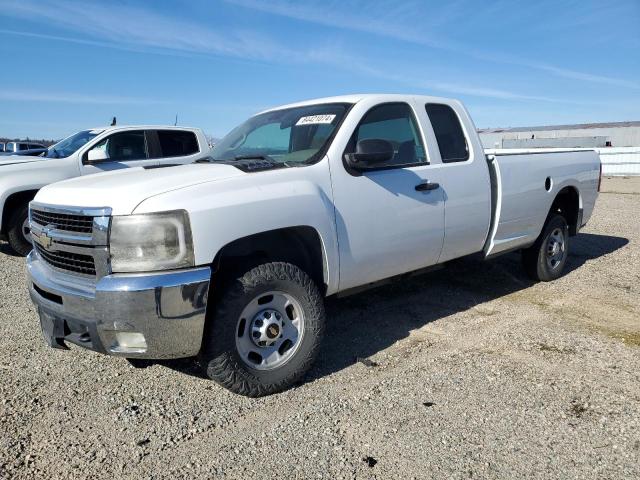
467	372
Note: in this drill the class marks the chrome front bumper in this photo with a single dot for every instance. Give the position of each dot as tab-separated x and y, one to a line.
153	316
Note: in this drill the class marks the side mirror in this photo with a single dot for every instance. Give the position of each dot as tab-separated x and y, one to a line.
370	153
97	155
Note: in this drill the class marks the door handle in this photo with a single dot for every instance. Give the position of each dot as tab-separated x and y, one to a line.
426	186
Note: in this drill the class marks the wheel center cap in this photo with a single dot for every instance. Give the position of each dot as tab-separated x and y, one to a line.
266	328
273	331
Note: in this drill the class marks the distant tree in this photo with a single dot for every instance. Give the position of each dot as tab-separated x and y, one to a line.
43	141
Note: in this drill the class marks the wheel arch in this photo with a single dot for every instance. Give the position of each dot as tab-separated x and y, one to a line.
299	245
568	203
12	202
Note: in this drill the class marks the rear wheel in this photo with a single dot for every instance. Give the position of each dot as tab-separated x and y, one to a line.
265	331
18	232
546	258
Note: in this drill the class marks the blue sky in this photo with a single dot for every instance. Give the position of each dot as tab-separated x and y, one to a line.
71	65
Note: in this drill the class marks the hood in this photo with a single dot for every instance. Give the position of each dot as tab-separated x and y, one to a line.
124	190
16	159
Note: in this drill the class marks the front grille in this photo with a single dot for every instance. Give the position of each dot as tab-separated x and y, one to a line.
63	221
72	262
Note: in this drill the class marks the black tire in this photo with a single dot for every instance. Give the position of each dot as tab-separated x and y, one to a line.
17	240
140	362
535	259
220	356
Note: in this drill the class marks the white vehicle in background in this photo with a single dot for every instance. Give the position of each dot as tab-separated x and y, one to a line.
85	153
230	258
17	147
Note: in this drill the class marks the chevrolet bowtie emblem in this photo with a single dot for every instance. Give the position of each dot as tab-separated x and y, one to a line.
44	240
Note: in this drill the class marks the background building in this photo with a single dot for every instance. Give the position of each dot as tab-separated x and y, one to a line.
618	143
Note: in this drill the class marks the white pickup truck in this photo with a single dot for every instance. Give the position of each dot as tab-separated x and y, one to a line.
84	153
230	258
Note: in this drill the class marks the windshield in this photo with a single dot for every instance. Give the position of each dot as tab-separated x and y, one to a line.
69	145
290	135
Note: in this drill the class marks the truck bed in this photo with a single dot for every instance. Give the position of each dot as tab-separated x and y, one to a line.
524	186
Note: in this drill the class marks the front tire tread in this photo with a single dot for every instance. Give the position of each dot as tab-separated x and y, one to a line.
222	363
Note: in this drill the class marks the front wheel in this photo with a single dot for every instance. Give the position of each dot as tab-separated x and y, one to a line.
545	259
265	331
18	232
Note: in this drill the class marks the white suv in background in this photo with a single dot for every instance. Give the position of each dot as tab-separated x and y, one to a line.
15	147
85	153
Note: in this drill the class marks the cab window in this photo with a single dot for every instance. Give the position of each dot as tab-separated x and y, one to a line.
177	143
123	147
395	123
451	140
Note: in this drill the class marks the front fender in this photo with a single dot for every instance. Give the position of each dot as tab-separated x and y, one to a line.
227	210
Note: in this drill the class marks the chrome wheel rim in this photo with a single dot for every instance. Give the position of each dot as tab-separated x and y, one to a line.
26	230
556	248
270	330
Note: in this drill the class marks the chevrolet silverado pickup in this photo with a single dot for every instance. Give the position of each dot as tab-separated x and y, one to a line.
228	259
84	153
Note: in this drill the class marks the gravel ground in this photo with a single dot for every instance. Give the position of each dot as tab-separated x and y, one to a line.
467	372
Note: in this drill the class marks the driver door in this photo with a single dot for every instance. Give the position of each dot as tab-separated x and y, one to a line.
390	220
117	151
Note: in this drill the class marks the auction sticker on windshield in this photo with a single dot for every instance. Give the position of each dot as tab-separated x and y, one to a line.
315	120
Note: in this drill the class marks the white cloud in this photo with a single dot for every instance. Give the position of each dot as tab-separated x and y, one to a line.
75	98
144	28
362	16
413	81
384	18
587	77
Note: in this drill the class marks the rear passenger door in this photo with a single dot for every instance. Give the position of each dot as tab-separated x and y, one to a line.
463	176
174	146
117	151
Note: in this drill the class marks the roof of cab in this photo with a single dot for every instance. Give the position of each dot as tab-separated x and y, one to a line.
110	128
355	98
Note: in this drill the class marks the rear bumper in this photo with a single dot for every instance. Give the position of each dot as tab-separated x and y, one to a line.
154	316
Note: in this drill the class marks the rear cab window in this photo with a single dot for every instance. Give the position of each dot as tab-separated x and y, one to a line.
177	143
446	125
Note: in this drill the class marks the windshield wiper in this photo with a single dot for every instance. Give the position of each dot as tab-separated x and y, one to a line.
256	160
253	157
206	160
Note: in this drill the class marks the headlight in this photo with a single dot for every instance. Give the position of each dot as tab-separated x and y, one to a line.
151	241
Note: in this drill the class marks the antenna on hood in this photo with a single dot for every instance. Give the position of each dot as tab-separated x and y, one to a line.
113	122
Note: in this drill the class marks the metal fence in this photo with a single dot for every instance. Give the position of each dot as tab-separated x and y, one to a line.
619	161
